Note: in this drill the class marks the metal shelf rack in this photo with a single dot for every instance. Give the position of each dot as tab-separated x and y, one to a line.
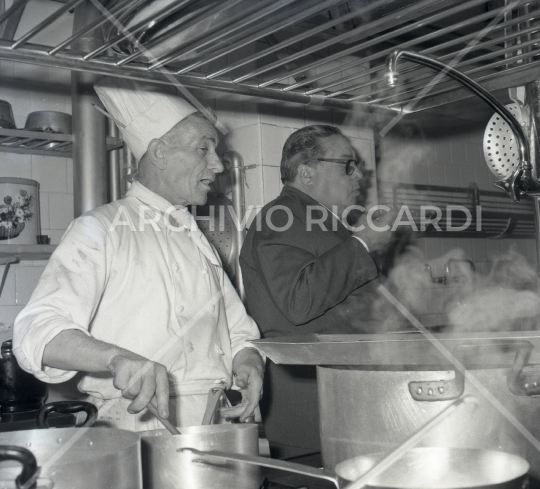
323	52
43	143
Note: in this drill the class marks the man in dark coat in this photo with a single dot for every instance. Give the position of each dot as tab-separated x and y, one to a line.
305	272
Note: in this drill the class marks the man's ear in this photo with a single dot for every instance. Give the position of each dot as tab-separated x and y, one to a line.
305	174
156	152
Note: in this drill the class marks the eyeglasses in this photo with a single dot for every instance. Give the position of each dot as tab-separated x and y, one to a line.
351	164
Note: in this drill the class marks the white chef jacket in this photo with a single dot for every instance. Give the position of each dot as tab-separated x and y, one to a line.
124	275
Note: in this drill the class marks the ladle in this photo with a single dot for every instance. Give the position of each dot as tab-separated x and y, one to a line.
152	407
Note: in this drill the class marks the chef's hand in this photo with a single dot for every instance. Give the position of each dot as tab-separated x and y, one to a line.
140	379
248	368
376	231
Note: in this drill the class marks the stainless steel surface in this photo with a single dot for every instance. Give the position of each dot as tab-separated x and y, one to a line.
383	413
167	468
235	164
49	121
338	46
420	468
115	181
500	149
89	126
77	458
7	121
393	350
45	23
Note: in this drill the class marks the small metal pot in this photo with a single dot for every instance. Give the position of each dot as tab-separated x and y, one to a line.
419	468
49	121
7	121
164	467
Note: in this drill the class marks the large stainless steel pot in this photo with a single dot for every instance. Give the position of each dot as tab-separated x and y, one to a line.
365	411
166	468
80	458
419	468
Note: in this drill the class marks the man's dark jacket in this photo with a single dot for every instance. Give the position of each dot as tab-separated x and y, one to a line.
301	281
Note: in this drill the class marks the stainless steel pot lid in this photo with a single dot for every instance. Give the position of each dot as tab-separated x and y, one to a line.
500	145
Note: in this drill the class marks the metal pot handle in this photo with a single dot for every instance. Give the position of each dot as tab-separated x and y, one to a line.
447	390
215	457
28	461
67	407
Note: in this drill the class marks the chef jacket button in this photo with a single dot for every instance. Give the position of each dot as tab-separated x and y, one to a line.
205	271
176	267
190	347
180	308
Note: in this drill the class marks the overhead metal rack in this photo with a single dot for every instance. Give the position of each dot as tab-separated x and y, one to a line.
322	52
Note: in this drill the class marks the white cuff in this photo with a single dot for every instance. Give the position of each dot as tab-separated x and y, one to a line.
363	242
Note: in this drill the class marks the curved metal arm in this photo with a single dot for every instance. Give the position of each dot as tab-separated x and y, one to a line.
521	181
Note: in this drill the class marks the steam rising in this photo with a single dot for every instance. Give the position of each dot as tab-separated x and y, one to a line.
505	299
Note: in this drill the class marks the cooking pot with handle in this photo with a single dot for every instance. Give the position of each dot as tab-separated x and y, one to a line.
164	467
80	458
392	404
419	468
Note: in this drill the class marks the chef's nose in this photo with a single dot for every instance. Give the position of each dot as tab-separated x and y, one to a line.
214	163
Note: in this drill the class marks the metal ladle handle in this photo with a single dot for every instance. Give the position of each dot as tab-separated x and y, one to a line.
214	457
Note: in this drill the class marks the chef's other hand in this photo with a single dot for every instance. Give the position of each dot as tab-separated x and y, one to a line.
377	233
140	379
248	368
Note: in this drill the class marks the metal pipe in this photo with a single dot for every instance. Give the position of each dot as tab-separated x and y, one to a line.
282	45
385	52
468	73
337	39
115	189
406	45
521	181
129	169
12	24
95	24
12	10
414	81
299	13
187	22
236	164
160	15
225	29
71	60
46	22
370	43
89	126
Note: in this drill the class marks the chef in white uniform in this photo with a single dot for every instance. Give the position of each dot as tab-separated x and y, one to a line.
134	297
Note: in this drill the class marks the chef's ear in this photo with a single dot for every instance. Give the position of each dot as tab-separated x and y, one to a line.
305	174
156	152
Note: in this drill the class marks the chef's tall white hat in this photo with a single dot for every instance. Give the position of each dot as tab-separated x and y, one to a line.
142	111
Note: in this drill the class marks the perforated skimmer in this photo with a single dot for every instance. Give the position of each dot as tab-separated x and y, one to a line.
500	145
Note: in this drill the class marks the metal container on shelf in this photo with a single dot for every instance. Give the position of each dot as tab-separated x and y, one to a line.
19	211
